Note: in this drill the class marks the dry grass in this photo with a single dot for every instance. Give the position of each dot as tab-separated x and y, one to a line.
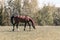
41	33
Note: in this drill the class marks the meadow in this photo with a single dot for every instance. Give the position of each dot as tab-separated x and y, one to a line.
40	33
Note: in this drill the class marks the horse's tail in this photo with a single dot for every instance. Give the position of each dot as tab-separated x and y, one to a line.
33	24
12	19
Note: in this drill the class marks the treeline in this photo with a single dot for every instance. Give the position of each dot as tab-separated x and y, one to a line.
48	15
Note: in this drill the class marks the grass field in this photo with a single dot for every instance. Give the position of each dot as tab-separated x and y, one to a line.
41	33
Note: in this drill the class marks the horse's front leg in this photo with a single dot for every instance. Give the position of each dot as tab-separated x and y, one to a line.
29	26
17	26
25	26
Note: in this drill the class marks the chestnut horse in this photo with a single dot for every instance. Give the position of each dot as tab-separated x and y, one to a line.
22	19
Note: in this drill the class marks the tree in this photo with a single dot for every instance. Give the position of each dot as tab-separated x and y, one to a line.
56	16
46	15
17	5
29	7
1	16
12	5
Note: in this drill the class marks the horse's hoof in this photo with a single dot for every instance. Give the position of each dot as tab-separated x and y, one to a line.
17	30
13	30
29	30
24	29
34	28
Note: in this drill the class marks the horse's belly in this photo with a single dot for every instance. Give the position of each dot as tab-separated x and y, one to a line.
23	20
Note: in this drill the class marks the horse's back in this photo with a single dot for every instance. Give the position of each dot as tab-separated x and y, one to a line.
22	18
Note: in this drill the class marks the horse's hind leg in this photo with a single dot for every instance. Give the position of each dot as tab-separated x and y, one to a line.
25	26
